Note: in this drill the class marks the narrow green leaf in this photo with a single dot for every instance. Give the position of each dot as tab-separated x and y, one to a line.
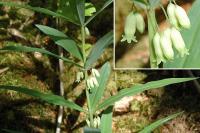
80	4
31	49
99	48
192	39
98	92
140	88
106	120
71	47
107	3
40	10
51	32
158	123
62	40
50	98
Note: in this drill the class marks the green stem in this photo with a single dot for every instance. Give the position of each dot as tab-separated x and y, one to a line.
152	26
86	77
166	16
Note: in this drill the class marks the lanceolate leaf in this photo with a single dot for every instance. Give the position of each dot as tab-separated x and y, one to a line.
31	49
50	98
106	121
192	39
158	123
51	32
40	10
140	88
107	3
80	5
71	47
99	48
98	92
74	9
62	40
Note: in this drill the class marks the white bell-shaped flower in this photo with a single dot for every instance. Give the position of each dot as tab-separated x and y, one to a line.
95	73
172	16
79	76
157	48
129	29
178	42
140	24
166	45
182	17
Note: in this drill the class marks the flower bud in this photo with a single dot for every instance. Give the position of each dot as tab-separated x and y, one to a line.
140	24
166	45
182	17
158	50
95	73
178	42
129	29
172	16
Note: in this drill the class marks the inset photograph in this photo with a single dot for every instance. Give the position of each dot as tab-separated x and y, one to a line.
157	34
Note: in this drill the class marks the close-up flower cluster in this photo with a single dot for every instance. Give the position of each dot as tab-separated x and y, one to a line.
92	81
170	38
164	45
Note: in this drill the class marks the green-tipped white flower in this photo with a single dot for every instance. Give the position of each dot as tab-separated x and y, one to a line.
172	16
94	81
129	29
95	73
88	122
140	24
90	84
178	42
166	45
97	121
157	49
182	17
79	76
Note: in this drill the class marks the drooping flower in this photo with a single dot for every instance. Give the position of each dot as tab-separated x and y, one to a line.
129	29
182	17
172	16
95	73
140	24
166	45
95	82
79	76
97	122
157	48
178	42
92	82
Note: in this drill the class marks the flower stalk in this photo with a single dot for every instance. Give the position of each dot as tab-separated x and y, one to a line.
83	35
152	26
